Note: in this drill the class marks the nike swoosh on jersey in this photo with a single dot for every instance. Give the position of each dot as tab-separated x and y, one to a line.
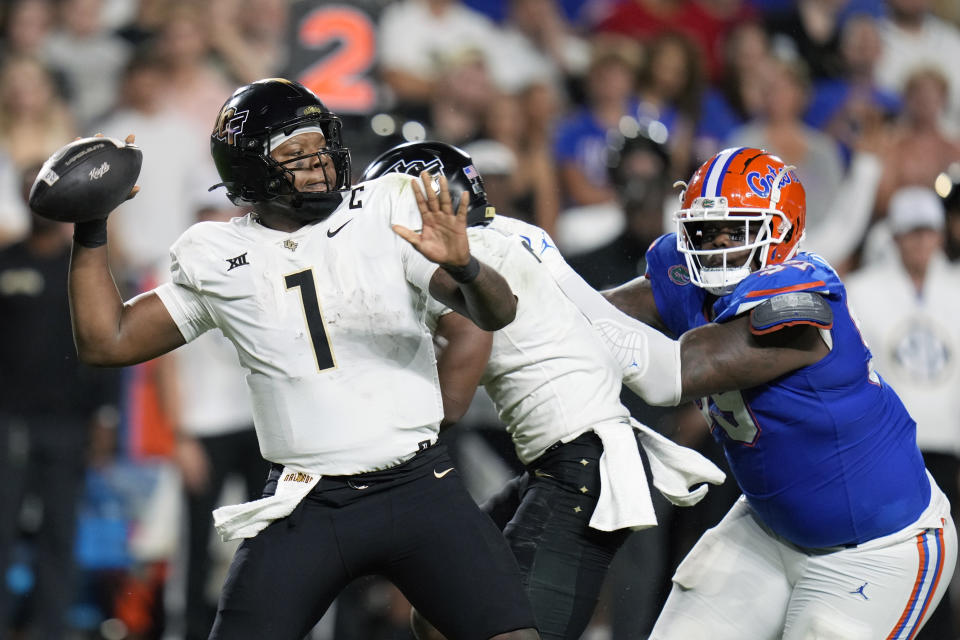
330	233
442	473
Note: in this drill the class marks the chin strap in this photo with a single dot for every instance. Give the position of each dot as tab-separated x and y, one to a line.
775	187
303	208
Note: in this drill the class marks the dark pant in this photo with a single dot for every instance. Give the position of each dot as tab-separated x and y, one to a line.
232	453
42	455
545	516
414	524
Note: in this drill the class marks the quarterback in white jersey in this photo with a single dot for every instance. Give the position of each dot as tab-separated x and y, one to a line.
344	298
557	390
323	291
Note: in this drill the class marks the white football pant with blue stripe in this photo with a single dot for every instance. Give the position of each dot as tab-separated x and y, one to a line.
741	581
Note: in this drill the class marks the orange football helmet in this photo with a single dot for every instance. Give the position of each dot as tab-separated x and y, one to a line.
745	185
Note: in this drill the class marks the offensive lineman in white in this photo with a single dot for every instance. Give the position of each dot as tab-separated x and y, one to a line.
325	305
557	390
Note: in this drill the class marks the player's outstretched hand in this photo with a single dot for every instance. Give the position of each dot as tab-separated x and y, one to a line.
443	239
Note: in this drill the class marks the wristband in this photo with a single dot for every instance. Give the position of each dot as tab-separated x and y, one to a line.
465	274
90	234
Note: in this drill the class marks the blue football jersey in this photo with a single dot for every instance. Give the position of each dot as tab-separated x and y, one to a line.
826	455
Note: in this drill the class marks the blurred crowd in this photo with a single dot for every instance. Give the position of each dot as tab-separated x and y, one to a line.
580	115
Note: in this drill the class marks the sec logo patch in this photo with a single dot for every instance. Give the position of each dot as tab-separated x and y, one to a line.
679	275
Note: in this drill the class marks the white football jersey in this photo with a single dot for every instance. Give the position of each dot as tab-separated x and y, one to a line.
329	322
549	374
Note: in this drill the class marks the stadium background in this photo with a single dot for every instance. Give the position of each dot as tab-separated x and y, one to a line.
549	96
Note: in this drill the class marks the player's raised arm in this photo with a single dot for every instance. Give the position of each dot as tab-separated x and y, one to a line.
728	356
463	283
106	331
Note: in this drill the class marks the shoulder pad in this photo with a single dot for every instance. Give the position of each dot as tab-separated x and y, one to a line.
788	309
805	273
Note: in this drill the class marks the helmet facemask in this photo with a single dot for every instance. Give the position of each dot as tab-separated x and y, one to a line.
271	187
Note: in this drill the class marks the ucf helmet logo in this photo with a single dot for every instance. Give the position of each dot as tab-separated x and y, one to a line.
230	125
416	167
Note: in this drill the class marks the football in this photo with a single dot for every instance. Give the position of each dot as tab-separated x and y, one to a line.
86	179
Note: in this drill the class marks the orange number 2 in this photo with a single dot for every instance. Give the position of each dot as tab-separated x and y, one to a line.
339	77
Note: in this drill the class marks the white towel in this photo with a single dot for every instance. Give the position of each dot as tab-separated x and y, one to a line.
676	468
249	518
624	493
624	500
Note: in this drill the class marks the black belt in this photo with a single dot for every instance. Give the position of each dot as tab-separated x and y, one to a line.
357	480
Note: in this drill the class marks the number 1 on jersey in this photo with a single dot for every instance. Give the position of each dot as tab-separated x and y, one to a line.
311	311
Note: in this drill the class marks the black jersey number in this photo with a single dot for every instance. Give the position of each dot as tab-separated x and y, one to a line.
311	313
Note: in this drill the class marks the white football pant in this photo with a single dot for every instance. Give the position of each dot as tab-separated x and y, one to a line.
741	581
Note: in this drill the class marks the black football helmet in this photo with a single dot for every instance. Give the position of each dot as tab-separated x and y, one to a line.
256	119
438	158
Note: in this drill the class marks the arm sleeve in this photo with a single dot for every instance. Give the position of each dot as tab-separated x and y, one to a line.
183	300
650	361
